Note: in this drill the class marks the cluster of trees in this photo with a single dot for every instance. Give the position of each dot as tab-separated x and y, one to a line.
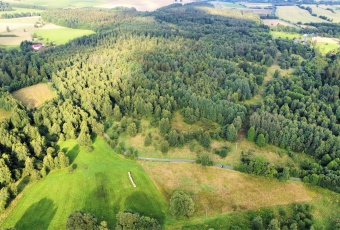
19	15
324	29
5	6
127	220
20	69
302	113
301	218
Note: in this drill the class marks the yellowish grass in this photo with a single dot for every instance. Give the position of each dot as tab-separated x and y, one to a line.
34	95
4	114
217	191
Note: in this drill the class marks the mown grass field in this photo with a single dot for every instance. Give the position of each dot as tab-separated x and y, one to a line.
99	184
321	10
4	114
276	22
219	191
294	14
61	35
21	28
34	95
21	10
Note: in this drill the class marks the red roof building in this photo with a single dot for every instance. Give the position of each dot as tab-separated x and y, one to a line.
37	46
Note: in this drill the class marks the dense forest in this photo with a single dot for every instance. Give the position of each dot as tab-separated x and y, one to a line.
202	62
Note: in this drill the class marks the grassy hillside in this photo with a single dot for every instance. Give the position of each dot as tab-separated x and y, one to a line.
61	35
219	191
99	184
34	95
295	14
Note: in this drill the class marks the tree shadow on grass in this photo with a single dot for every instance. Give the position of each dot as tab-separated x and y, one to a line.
142	203
38	216
73	153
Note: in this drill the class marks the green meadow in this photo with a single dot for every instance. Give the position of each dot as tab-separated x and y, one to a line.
61	35
233	5
99	184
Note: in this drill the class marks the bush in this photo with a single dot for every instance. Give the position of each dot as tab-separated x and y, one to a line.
181	205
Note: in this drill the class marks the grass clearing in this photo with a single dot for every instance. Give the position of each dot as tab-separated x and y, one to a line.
99	184
216	191
294	14
35	95
61	35
219	191
4	114
286	35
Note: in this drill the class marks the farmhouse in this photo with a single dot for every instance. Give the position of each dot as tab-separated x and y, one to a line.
37	46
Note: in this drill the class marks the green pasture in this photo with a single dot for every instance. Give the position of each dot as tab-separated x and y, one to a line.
232	5
61	35
99	184
325	47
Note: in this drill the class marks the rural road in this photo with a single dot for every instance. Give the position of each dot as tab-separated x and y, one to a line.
190	161
182	160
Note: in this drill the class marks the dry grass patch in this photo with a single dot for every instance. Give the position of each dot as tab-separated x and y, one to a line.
217	191
4	114
34	95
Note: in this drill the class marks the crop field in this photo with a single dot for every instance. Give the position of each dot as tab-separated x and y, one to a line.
276	22
294	14
34	95
4	114
141	5
321	10
99	185
60	35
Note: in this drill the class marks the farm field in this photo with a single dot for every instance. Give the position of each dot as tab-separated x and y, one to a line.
276	22
34	95
294	14
4	114
232	5
99	185
286	35
60	35
232	191
141	5
21	28
322	11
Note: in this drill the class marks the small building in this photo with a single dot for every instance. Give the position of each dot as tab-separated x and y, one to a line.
37	46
